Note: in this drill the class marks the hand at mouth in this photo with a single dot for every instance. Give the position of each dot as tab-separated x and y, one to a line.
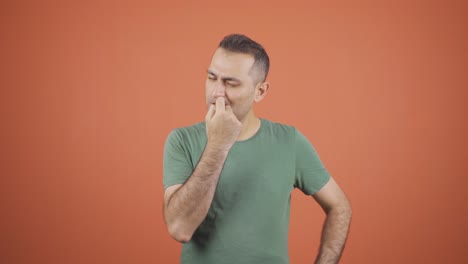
226	104
213	102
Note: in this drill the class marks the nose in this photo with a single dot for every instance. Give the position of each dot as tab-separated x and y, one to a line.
219	90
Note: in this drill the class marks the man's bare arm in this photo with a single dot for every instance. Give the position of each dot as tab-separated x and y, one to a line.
336	227
186	207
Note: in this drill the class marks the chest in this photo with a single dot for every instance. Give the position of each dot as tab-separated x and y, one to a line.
261	175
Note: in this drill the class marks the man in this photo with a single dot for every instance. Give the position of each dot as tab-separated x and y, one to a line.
228	180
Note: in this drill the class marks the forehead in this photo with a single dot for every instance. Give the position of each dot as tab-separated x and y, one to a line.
233	64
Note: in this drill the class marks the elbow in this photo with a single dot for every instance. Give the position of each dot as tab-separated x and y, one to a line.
348	211
344	209
176	230
178	234
181	238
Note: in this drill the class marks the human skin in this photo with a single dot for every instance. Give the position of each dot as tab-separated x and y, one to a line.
337	222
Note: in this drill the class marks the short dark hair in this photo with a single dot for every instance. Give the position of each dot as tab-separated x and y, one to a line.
243	44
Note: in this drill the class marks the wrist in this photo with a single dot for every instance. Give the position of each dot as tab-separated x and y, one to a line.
219	148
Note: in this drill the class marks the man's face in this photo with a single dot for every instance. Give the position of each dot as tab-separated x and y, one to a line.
228	77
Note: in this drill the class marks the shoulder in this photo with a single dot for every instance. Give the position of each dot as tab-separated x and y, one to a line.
279	129
194	130
187	135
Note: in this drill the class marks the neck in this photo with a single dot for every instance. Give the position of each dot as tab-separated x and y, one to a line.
250	126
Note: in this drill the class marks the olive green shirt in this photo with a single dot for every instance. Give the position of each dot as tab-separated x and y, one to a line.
248	219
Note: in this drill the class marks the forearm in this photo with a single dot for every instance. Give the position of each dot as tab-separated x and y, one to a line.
189	205
334	235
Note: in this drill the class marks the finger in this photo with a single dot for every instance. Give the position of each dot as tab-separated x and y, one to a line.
220	104
210	113
229	110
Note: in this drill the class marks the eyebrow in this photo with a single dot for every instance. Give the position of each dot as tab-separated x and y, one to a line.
225	78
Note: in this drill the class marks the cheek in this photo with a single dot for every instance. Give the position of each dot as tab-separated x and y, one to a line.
208	89
233	96
241	99
207	86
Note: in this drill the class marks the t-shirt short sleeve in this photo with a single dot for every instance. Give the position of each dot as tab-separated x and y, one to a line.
176	165
310	174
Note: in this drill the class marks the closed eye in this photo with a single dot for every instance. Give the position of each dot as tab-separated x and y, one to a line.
232	84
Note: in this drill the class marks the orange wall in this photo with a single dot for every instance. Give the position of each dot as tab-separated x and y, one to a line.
91	90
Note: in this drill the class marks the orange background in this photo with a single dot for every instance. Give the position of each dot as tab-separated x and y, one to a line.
91	90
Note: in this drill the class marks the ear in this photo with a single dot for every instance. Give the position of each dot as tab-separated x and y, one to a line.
261	90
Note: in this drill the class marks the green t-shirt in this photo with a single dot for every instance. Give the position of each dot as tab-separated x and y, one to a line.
248	219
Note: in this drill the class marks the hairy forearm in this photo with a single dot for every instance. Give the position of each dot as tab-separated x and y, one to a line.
334	235
189	205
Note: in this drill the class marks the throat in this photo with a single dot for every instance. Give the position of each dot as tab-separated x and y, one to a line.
250	128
